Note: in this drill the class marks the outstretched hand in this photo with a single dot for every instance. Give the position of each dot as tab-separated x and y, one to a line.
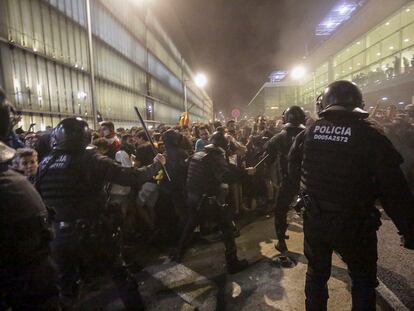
160	159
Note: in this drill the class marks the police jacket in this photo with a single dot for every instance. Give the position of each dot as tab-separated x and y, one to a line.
73	182
345	160
208	169
280	144
24	229
177	169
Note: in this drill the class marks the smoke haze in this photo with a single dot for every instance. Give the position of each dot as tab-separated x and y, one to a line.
237	43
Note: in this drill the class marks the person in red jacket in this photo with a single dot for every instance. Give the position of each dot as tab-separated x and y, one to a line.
107	131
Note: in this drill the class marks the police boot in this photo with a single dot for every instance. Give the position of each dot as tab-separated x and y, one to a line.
281	246
236	265
176	255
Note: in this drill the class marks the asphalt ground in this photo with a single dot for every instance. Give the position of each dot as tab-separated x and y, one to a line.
200	282
395	263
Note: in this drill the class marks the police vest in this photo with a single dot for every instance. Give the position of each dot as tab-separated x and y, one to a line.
335	158
200	178
287	137
66	184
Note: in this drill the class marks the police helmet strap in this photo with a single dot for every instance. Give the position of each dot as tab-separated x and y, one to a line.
319	103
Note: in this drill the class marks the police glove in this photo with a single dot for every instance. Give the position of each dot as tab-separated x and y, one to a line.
160	158
250	171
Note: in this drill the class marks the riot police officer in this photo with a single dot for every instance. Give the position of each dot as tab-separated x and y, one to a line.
28	278
71	180
278	149
344	165
208	174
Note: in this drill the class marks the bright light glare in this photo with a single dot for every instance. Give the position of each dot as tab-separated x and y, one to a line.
298	72
343	9
200	80
82	95
385	98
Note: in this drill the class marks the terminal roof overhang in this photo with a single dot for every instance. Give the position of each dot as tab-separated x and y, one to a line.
285	83
339	14
368	16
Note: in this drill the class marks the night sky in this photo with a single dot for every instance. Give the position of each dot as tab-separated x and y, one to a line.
237	43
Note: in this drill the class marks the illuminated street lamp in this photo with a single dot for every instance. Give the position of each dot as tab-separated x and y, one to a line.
200	81
298	72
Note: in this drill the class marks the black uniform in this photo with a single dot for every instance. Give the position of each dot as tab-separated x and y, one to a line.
28	278
278	148
208	170
345	164
72	182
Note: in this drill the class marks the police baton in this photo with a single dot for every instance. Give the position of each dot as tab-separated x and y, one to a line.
154	150
261	161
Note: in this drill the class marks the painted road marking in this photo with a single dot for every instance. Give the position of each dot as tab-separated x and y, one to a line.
193	288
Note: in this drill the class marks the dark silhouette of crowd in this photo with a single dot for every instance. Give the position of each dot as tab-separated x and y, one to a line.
381	73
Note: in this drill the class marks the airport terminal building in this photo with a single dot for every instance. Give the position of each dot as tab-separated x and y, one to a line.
46	57
368	42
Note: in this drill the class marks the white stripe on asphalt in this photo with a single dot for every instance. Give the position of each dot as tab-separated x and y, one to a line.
202	293
390	298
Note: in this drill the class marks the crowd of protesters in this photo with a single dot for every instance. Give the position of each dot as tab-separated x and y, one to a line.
156	212
398	125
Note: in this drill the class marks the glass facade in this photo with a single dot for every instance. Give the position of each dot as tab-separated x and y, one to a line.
45	67
382	54
380	58
277	99
274	98
314	85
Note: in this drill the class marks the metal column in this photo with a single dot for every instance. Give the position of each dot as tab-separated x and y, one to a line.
91	63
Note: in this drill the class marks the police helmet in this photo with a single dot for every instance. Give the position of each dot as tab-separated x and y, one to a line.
218	139
294	116
342	96
71	134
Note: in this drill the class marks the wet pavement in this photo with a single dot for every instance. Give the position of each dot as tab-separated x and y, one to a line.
200	282
395	264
